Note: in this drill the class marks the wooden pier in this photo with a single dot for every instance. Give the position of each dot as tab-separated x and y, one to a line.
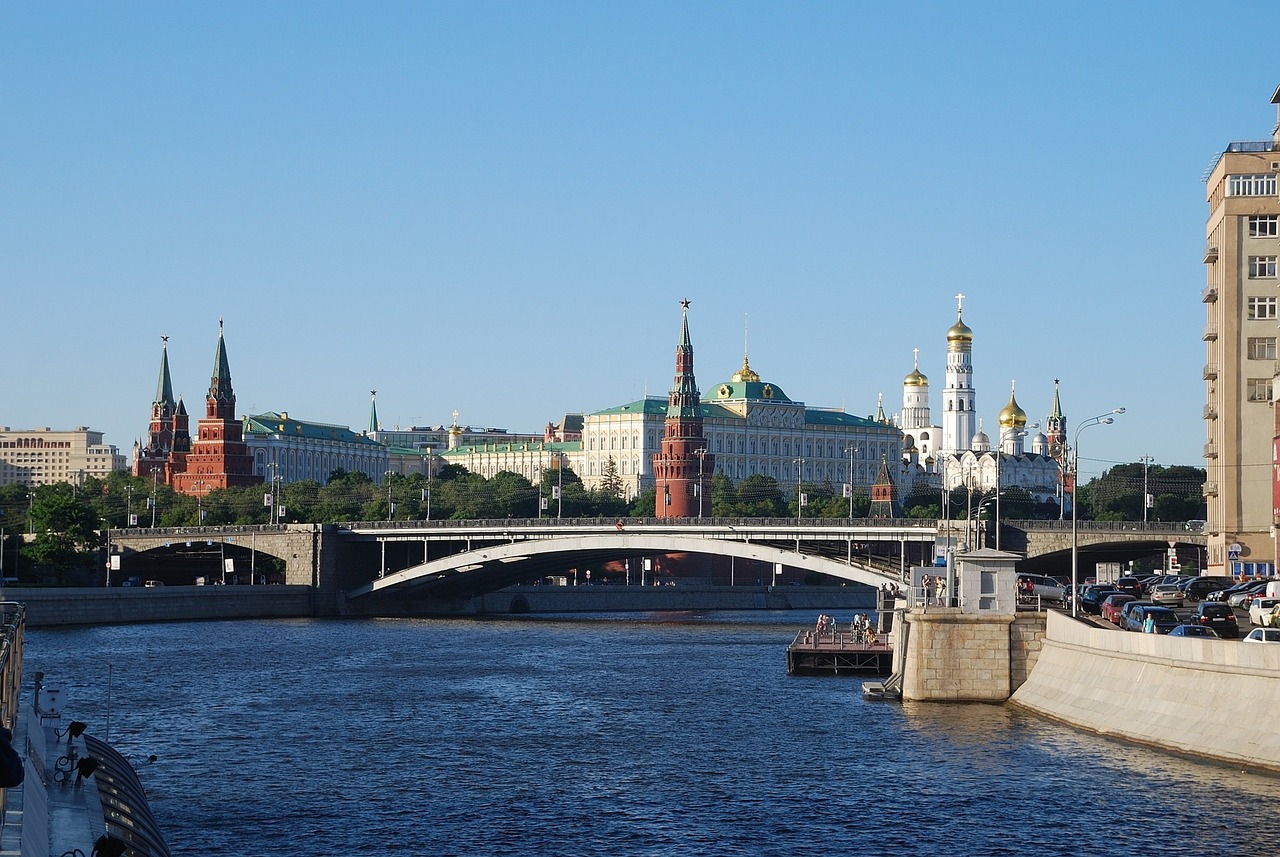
836	653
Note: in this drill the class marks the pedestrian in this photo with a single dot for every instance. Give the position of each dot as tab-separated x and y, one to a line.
1149	624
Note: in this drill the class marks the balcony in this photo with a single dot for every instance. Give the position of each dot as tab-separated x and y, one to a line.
1210	489
1210	371
1210	332
1210	450
1209	295
1210	412
1210	253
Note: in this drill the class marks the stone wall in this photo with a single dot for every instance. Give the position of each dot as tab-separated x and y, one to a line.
1211	698
1026	639
957	657
127	605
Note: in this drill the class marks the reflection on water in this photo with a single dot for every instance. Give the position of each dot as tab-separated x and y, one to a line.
634	734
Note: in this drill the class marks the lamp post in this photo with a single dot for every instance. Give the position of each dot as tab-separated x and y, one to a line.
799	462
1100	420
851	450
1146	462
155	481
1013	436
128	506
390	507
702	457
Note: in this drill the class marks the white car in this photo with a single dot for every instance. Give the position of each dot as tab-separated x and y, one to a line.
1260	610
1263	635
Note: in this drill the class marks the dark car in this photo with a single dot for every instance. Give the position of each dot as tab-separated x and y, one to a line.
1215	615
1193	631
1198	588
1093	595
1136	613
1130	586
1224	594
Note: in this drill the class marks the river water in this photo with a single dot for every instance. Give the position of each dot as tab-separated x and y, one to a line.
655	734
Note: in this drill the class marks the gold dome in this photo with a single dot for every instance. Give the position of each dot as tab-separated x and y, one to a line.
745	373
959	332
1012	416
915	379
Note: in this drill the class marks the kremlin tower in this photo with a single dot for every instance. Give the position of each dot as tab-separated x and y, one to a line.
682	468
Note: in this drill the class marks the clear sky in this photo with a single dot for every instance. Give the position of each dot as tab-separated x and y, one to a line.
496	207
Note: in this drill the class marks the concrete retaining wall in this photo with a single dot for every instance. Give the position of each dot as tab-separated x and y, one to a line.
102	606
1210	698
597	599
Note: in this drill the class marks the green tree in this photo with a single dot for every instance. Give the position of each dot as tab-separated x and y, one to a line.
66	537
611	482
760	497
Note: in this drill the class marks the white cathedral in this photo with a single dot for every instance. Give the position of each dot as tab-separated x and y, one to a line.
958	453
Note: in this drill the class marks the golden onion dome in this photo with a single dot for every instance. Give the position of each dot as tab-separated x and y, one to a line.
959	332
745	373
915	379
1012	416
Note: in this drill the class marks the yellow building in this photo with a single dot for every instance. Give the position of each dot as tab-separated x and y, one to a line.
1240	298
43	456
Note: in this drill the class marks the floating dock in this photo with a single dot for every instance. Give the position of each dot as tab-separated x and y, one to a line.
835	653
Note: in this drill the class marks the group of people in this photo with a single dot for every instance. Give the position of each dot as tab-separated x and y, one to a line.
860	628
934	587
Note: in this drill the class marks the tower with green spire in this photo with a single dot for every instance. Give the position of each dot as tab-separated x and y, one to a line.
154	454
682	468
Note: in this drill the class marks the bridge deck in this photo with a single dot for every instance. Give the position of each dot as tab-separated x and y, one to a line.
837	654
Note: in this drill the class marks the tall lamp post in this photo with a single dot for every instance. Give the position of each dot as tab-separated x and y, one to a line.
1100	420
1146	492
851	450
1014	435
799	462
702	457
155	481
390	506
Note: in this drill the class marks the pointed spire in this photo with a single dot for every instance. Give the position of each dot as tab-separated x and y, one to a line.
1057	405
373	411
164	386
221	386
683	400
880	417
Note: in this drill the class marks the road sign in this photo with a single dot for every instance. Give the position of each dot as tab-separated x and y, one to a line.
1233	551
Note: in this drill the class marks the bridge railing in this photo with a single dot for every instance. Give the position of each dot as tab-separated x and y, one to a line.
219	530
1163	528
692	523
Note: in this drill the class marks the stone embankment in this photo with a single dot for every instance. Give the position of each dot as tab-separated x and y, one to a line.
101	606
1207	698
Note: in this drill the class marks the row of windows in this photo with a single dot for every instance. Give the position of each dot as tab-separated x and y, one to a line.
1261	184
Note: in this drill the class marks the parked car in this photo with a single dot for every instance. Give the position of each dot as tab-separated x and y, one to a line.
1113	604
1131	615
1260	610
1092	596
1198	588
1224	594
1165	619
1193	631
1219	617
1131	585
1166	593
1237	599
1196	526
1045	587
1263	635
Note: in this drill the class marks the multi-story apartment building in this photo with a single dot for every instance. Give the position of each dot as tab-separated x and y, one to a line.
43	456
1240	297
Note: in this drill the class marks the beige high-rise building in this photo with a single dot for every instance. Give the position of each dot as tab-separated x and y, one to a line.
1240	298
43	456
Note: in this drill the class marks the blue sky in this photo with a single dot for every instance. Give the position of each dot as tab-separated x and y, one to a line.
496	207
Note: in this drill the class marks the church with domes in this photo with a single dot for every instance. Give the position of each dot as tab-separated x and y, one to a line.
958	453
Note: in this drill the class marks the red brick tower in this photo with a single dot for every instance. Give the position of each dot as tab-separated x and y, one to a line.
682	469
160	433
219	457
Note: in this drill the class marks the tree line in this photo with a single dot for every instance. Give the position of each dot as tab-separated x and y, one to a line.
65	522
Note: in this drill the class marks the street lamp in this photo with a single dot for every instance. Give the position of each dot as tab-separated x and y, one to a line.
1146	462
851	450
698	489
799	462
1100	420
155	481
390	507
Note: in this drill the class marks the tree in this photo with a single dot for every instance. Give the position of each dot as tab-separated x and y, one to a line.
66	536
611	482
760	497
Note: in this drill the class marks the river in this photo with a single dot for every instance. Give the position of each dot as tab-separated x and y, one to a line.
655	734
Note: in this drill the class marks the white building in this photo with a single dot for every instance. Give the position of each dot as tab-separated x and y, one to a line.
293	450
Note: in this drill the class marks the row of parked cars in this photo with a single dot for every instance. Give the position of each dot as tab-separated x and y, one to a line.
1123	603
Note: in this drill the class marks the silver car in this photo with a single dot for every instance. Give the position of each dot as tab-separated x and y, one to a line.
1166	594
